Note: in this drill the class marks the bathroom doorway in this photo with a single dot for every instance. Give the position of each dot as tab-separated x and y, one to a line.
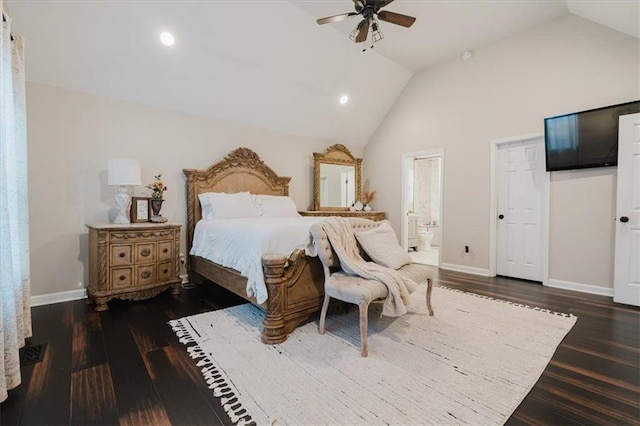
422	205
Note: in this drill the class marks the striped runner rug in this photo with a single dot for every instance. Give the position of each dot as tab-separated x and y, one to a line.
471	363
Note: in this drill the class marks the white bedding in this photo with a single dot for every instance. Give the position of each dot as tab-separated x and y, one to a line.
240	244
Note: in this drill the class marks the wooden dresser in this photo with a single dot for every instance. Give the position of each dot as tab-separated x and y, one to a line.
134	262
372	215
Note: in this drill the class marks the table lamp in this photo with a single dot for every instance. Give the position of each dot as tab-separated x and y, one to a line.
123	172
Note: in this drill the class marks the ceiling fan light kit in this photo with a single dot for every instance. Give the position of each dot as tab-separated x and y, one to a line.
370	12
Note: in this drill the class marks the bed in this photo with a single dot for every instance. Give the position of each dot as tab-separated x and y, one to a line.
294	283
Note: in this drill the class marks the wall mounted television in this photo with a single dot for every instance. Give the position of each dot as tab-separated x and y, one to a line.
584	139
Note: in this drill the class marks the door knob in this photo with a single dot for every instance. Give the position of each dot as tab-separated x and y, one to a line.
501	216
624	219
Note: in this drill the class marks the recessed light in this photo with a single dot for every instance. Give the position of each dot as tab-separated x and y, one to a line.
344	99
167	39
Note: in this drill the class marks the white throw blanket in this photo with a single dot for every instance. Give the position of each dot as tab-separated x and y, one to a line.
343	240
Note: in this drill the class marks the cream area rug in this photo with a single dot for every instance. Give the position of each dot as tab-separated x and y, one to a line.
471	363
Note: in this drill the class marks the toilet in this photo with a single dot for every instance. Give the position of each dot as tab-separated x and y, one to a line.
425	237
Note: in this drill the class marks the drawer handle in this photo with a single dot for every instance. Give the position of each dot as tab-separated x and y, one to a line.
165	251
145	274
122	255
165	271
122	277
145	252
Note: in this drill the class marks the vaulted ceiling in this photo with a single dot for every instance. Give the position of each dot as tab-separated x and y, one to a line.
267	63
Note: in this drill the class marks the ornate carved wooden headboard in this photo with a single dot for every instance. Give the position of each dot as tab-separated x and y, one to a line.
241	170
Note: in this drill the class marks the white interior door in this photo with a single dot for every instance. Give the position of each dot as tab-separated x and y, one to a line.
519	223
626	275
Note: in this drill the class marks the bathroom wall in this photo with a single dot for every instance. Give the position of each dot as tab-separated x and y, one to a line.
426	190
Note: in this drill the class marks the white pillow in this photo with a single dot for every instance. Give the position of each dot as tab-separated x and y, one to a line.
276	206
218	205
382	246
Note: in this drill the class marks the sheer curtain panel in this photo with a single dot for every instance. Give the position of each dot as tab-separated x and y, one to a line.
15	307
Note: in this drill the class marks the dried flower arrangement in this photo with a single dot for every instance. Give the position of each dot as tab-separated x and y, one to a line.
368	196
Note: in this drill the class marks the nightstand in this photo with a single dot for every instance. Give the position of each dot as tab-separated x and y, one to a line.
134	262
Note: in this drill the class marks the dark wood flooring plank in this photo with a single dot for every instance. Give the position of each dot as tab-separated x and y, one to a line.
146	412
590	385
536	413
578	368
622	375
186	398
616	409
48	397
136	398
93	401
566	409
88	346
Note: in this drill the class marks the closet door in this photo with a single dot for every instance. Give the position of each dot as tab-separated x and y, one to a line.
519	223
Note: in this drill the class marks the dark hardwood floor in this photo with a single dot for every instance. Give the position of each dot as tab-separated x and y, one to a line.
126	366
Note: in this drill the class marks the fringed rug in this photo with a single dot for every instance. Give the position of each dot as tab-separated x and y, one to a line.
471	363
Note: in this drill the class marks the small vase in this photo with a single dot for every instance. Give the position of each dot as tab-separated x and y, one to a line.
367	208
156	205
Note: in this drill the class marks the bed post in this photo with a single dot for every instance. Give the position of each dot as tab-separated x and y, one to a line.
191	211
274	273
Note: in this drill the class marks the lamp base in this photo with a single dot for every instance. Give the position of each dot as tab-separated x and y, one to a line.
123	201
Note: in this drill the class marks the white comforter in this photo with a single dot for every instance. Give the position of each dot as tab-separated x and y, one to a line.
240	244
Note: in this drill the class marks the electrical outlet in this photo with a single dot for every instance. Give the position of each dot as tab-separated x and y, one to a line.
466	250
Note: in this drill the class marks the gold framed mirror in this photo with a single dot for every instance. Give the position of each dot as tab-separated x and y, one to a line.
337	182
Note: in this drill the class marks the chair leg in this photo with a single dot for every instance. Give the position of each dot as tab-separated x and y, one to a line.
429	288
323	313
364	324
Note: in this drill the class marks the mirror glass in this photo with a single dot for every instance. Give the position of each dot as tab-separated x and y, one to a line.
337	185
337	176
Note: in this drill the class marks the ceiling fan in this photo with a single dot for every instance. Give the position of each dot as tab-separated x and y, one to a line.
370	10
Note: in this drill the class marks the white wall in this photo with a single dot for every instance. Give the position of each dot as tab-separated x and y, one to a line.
72	135
507	89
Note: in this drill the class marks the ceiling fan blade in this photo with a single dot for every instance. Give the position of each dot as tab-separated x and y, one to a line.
396	18
364	30
335	18
383	3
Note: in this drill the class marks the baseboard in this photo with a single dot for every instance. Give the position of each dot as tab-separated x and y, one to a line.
63	296
585	288
466	269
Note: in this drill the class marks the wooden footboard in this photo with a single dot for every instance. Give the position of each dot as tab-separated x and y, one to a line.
295	287
296	290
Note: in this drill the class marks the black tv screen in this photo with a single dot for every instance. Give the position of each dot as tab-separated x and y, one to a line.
585	139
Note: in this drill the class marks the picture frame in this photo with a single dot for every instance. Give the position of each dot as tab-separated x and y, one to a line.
140	209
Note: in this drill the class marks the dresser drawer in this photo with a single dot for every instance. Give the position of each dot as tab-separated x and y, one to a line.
145	274
121	255
165	250
121	278
145	252
166	271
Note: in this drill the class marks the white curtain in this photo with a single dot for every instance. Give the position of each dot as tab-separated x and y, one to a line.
15	308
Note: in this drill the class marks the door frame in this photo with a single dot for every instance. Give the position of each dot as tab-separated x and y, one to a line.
495	144
410	156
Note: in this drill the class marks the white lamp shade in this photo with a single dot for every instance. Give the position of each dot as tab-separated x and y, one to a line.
124	172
